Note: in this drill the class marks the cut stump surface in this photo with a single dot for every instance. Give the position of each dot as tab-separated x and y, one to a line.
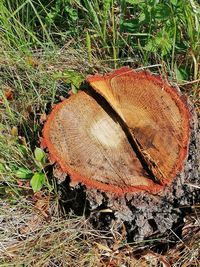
135	139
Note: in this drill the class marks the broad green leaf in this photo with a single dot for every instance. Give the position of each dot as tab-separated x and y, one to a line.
181	74
162	12
142	17
130	25
37	181
39	155
174	2
24	173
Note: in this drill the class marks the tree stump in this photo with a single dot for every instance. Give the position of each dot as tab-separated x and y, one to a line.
124	143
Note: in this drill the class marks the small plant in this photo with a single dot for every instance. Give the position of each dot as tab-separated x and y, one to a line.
37	177
164	30
71	77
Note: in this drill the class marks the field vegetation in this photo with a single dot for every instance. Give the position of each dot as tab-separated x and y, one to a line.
46	49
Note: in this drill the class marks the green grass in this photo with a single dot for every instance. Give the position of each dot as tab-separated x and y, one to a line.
46	49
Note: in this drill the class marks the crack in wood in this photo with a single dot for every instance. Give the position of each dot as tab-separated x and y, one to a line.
135	144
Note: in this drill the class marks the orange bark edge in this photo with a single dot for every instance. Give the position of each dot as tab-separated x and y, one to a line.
117	190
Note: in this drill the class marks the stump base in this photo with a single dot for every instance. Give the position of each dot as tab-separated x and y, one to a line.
144	215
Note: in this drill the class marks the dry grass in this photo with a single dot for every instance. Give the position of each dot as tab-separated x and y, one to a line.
186	251
33	234
29	238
